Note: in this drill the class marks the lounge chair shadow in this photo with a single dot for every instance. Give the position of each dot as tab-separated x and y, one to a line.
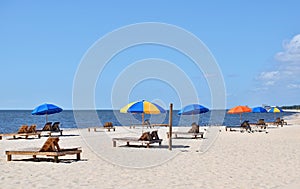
186	137
154	147
40	159
70	135
18	138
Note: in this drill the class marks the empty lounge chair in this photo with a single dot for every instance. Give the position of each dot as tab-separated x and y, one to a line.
146	138
50	148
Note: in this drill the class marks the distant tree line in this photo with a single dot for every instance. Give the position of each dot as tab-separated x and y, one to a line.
294	107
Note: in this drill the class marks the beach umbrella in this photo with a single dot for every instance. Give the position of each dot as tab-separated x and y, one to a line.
193	109
46	109
143	107
259	110
275	110
239	110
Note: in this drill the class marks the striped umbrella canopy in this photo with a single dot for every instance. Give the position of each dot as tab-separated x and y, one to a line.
259	110
143	107
239	110
275	110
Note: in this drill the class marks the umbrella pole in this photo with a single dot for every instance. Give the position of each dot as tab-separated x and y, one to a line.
46	118
143	118
240	118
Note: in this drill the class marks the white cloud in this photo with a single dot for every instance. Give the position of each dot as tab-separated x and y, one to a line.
269	75
269	78
288	69
293	86
291	50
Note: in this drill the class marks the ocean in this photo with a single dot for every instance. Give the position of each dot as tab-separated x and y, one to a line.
11	120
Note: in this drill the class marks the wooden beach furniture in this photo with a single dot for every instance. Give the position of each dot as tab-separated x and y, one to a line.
234	128
107	125
260	126
193	135
50	148
146	139
50	128
278	122
24	132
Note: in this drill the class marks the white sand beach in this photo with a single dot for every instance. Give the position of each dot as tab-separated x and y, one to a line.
234	160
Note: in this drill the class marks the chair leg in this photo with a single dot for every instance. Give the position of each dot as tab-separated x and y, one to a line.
56	159
78	156
9	157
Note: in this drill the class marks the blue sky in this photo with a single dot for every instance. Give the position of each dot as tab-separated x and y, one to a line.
255	43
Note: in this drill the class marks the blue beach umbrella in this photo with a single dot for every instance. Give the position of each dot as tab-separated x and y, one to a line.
46	109
259	110
193	109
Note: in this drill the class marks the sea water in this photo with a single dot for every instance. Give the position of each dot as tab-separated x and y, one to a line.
11	120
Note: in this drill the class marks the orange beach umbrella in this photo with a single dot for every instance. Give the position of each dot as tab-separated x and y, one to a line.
239	110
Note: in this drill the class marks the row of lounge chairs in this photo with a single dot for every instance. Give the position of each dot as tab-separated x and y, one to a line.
260	126
25	131
52	128
151	138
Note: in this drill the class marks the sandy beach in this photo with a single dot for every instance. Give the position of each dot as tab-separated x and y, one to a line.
234	160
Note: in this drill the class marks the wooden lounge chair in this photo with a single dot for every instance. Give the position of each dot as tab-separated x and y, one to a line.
260	126
193	132
277	122
193	135
55	128
25	132
146	138
107	125
50	148
49	128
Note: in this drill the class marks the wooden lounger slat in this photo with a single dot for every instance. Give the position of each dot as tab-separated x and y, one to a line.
176	133
136	140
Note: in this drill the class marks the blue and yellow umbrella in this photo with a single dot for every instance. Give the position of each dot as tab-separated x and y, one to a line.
275	110
143	107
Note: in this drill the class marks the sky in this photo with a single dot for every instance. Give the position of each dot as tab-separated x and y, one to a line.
256	45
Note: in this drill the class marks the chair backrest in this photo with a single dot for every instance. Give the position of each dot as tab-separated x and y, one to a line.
51	145
261	122
32	129
245	124
278	119
154	135
23	129
146	136
195	128
108	124
55	126
147	122
47	126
